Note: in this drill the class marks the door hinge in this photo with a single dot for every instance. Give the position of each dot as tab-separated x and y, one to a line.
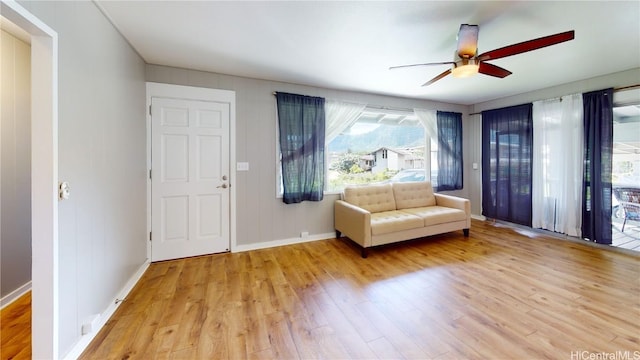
149	174
150	237
150	111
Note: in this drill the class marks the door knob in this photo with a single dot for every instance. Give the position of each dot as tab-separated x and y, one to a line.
224	177
224	186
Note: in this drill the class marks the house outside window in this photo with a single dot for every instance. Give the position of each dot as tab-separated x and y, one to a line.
378	146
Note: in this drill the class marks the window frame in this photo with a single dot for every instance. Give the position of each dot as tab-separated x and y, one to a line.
368	109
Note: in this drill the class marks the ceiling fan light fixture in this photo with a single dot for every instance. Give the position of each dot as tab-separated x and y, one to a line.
465	68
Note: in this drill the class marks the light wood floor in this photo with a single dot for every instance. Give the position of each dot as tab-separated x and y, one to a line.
500	293
15	329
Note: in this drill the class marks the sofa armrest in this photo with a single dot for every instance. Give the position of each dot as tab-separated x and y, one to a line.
454	202
353	221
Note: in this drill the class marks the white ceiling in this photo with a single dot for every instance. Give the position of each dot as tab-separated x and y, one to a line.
350	45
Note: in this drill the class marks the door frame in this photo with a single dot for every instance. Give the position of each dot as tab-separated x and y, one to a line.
203	94
44	187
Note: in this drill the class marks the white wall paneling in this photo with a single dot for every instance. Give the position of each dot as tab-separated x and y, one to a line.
100	150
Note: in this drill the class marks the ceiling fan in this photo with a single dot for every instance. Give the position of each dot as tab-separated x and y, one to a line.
467	62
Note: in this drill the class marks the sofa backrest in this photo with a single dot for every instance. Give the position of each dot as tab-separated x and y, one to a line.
413	194
373	198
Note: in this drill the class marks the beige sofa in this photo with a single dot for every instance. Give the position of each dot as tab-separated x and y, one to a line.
372	215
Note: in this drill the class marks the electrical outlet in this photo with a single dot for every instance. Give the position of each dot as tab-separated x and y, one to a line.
91	324
304	234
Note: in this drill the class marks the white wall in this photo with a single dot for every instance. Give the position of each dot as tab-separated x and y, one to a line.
102	132
473	137
261	217
15	169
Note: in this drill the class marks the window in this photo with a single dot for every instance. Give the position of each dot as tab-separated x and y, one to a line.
379	145
366	145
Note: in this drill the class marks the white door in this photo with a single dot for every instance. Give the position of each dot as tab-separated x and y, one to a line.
190	178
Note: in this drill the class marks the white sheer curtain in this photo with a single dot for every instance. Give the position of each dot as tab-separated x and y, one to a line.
557	164
429	119
339	116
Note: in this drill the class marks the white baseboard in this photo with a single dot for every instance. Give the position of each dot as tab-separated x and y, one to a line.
14	295
291	241
275	243
85	340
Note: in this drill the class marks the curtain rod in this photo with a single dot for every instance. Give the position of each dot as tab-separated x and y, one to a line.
377	107
626	87
614	90
380	107
479	113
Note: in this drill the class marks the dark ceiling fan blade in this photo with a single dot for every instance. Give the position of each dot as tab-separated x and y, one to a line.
525	46
492	70
437	78
467	41
425	64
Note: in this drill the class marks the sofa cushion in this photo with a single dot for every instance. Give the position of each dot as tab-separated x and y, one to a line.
434	215
373	198
413	194
393	221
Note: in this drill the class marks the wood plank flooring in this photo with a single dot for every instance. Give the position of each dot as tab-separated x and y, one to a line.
15	329
501	293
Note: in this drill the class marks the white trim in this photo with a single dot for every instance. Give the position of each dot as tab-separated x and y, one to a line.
283	242
626	97
85	340
15	295
205	94
479	217
44	194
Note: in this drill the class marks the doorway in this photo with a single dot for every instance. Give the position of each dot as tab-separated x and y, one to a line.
44	158
626	176
15	164
191	196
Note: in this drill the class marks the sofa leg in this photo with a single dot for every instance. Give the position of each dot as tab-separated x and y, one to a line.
364	253
465	232
338	234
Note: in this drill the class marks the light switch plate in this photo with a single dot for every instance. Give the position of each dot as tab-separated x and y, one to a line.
242	166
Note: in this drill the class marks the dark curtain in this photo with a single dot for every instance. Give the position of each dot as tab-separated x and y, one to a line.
449	150
596	188
507	140
301	125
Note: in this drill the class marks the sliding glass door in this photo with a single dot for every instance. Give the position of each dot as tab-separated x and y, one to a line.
625	174
506	147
